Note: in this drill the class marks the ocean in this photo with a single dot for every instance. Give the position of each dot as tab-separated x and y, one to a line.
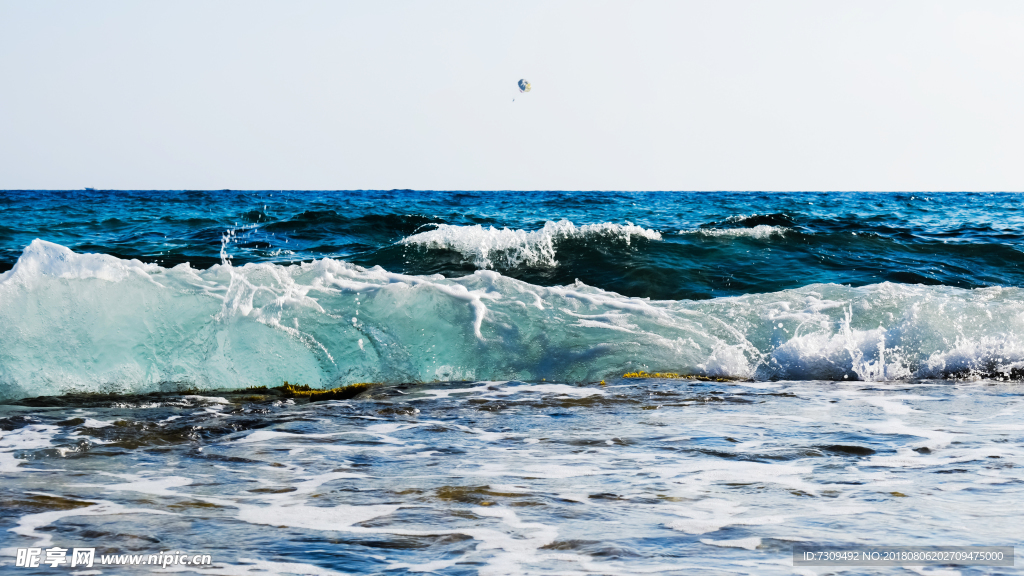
552	382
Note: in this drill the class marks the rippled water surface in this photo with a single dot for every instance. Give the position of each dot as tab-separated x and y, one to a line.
648	476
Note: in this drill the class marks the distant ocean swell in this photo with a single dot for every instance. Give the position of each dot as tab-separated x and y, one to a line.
93	322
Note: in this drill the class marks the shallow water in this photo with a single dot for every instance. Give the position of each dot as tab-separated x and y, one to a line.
644	476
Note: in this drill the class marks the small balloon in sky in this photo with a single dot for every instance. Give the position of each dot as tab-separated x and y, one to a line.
524	86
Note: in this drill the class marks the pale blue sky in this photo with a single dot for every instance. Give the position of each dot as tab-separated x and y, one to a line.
628	95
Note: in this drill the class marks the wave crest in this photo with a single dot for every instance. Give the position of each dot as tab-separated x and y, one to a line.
507	248
759	232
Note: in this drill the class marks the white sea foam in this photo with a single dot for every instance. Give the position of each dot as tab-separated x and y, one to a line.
508	248
155	486
339	517
91	423
31	437
759	232
29	524
712	514
94	323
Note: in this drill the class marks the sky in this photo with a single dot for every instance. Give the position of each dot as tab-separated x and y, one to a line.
627	95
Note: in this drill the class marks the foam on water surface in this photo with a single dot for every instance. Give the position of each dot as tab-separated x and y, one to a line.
759	232
30	437
662	476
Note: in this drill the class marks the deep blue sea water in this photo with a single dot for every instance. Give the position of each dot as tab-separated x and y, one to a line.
712	244
849	372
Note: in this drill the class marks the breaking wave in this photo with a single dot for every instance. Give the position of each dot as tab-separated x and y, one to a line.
93	322
759	232
509	249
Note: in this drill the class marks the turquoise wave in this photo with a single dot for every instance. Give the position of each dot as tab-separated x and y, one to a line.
97	323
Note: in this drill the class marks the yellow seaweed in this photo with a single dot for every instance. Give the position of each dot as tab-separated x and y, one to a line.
339	393
676	375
